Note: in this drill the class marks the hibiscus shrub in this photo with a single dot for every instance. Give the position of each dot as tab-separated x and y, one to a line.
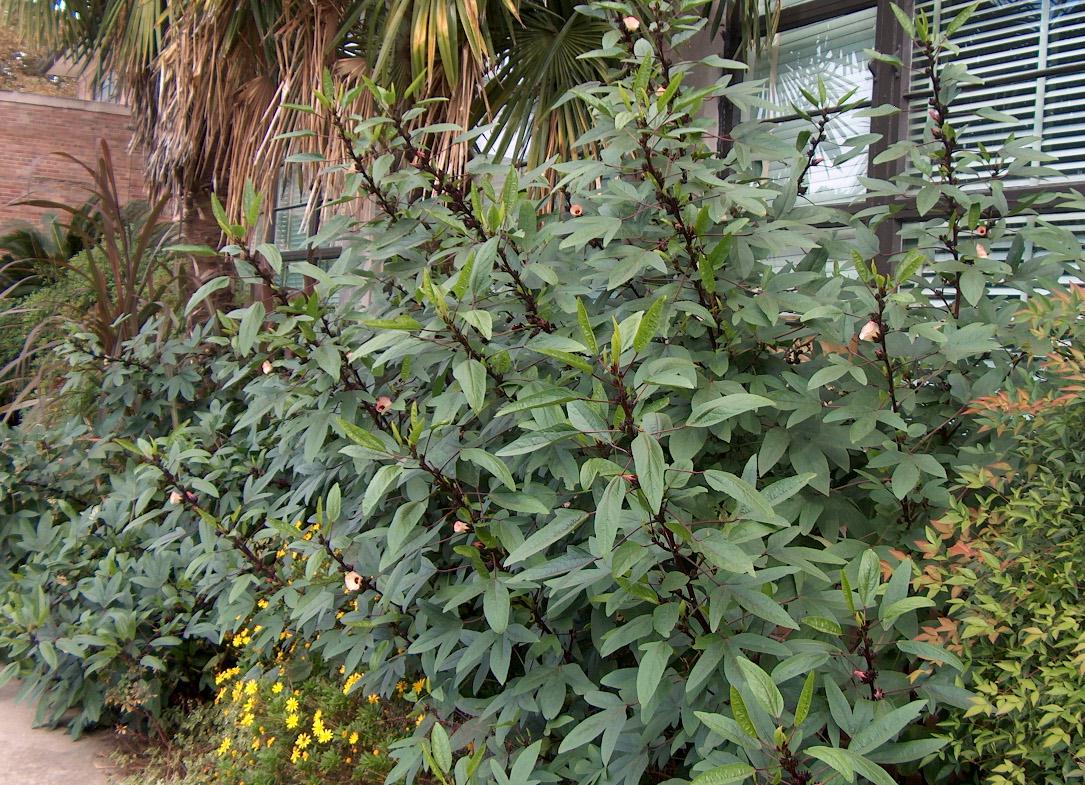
623	454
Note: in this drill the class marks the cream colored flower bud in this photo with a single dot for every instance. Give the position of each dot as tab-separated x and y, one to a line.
871	331
352	581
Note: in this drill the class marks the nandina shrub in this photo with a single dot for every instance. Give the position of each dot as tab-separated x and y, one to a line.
1005	566
620	454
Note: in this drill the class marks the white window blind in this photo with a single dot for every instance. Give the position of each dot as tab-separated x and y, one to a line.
290	219
832	51
1028	54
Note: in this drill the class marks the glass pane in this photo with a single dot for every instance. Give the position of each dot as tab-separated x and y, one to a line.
1013	46
291	229
832	51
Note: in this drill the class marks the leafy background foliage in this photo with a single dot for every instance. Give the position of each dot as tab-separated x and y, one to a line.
633	484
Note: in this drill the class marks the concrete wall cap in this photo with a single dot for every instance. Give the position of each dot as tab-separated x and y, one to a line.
33	99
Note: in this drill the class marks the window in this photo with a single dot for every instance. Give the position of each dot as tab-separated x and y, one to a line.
831	51
1027	54
293	222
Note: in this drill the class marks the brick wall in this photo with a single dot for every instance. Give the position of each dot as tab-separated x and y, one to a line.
33	127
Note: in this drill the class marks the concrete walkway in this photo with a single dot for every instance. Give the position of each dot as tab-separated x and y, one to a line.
37	756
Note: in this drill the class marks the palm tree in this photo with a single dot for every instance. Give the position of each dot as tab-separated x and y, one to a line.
215	84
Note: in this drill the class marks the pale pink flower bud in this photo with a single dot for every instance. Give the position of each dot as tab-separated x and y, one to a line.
871	331
460	527
176	497
267	367
352	581
933	114
384	403
981	251
631	24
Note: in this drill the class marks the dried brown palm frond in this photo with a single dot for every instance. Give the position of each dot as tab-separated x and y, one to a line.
213	82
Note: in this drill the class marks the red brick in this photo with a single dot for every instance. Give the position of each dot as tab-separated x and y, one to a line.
33	129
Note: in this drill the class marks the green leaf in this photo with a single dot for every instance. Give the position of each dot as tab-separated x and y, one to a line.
869	770
649	325
885	727
361	436
608	515
927	198
328	358
823	624
870	577
928	651
568	358
742	714
764	607
585	327
382	480
726	774
896	609
205	291
651	668
836	758
905	477
564	523
471	374
490	463
973	286
334	505
904	19
554	396
650	466
720	409
251	323
960	19
588	228
763	688
742	492
806	698
724	554
483	321
442	748
496	606
909	265
403	322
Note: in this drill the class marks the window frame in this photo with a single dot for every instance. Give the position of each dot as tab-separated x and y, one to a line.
310	254
890	86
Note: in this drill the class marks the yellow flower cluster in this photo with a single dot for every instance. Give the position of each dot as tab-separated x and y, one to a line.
299	752
224	676
352	679
243	637
320	731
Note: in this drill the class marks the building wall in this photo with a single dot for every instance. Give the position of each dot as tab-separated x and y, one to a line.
33	128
